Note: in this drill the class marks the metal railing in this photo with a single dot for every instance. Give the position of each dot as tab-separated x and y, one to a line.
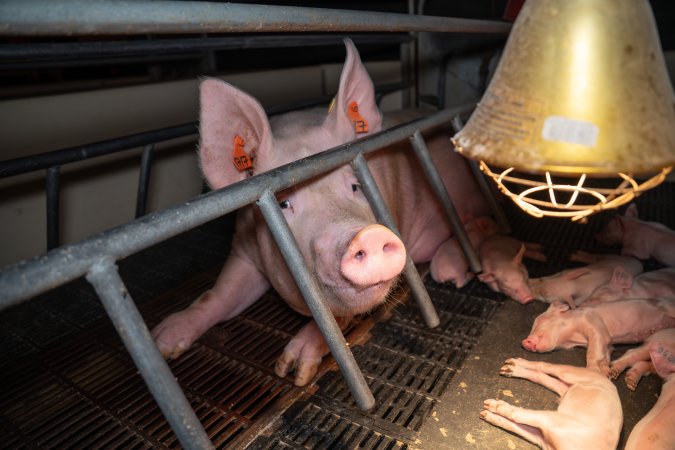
96	256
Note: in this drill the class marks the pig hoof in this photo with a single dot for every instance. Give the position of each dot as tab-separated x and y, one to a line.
304	369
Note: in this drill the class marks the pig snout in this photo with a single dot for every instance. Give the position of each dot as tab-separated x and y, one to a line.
374	255
529	344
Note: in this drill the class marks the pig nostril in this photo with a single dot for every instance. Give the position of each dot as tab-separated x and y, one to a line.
360	255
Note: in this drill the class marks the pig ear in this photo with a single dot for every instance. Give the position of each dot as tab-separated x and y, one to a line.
631	211
558	306
519	256
486	277
663	357
622	278
225	114
356	88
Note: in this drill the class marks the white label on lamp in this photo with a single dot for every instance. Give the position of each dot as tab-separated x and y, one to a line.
561	129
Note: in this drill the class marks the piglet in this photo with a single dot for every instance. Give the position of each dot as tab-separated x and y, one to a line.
657	283
503	268
574	286
656	430
640	239
589	415
451	263
597	327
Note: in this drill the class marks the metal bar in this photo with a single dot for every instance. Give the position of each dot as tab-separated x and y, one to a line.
66	263
41	161
313	295
448	206
144	180
53	206
488	190
83	17
41	51
72	154
129	324
412	276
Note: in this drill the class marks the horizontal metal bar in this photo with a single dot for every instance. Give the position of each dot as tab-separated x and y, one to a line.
40	51
313	295
41	161
32	277
155	372
412	276
84	17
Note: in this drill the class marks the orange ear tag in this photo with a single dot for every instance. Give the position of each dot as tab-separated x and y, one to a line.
240	158
360	123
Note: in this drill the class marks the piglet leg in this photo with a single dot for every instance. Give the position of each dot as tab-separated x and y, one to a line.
237	287
304	352
628	359
537	372
639	370
524	422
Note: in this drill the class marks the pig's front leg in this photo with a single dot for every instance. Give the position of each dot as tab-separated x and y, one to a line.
239	285
637	371
537	372
598	351
523	422
304	352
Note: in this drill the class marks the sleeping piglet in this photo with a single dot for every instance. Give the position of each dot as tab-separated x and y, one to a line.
656	430
589	414
355	260
622	285
574	286
503	269
638	238
596	327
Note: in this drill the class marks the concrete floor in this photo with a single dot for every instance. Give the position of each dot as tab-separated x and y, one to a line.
455	421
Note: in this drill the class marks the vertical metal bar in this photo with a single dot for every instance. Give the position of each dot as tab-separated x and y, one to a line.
53	207
313	295
488	191
372	193
144	180
129	324
442	193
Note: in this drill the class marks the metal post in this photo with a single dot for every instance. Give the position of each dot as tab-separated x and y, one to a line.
488	191
144	180
412	276
53	207
311	291
129	324
442	193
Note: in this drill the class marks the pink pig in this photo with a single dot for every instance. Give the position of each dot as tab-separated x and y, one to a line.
503	268
355	260
656	430
640	239
574	286
451	263
657	283
589	414
598	326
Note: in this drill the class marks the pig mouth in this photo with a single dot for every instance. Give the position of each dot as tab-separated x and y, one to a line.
350	300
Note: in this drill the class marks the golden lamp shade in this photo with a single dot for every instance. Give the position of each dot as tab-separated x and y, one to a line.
581	88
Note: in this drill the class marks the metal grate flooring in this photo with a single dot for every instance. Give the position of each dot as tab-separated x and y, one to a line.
67	381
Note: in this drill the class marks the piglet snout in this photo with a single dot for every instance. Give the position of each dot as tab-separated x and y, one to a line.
529	344
375	255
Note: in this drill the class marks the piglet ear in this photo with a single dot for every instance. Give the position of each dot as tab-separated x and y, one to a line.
486	277
354	112
519	256
234	131
631	211
558	306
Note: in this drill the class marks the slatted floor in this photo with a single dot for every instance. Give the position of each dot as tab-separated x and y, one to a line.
67	381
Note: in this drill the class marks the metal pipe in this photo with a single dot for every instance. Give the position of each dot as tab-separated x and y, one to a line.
128	322
83	17
66	263
53	206
41	51
488	190
448	206
313	295
144	180
412	276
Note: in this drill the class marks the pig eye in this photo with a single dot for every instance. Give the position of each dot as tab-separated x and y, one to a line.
356	187
284	204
